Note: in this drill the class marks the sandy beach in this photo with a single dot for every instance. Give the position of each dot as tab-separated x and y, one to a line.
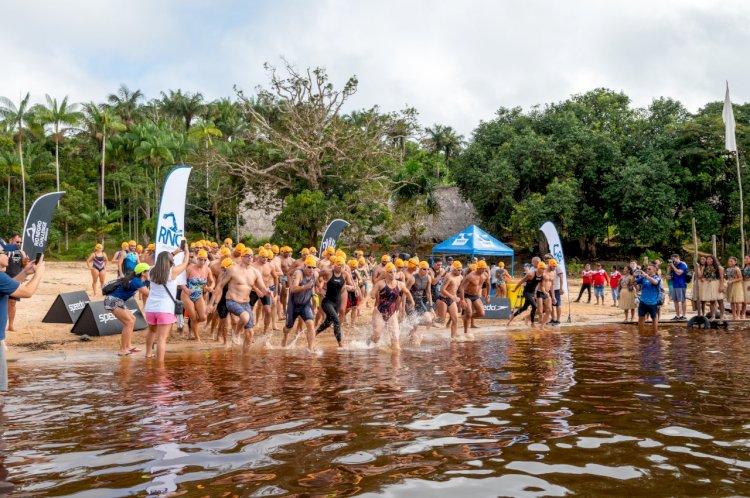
33	338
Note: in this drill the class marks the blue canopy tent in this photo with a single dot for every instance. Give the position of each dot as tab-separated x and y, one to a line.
473	240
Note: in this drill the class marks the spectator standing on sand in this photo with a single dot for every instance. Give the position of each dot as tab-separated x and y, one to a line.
711	276
649	302
614	285
599	278
678	275
626	293
586	282
14	287
735	295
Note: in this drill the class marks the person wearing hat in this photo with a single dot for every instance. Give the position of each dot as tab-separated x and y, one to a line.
387	293
149	256
118	257
501	280
239	280
469	293
129	259
337	282
114	302
199	281
97	265
219	316
420	286
557	290
16	287
160	305
286	263
448	300
301	288
265	269
378	272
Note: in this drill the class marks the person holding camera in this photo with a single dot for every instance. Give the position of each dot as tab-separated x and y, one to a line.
160	306
649	302
678	275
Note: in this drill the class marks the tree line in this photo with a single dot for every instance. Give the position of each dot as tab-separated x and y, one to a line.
293	145
614	178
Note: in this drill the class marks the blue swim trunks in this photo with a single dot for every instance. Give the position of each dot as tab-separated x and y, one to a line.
237	309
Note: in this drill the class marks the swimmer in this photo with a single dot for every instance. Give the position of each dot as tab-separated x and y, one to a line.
387	293
200	279
97	265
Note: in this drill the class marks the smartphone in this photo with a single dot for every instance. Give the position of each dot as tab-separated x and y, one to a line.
183	244
38	258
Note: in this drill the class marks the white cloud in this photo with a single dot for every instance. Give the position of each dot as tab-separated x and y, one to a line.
455	62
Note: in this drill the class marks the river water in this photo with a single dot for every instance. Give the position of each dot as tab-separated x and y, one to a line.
571	412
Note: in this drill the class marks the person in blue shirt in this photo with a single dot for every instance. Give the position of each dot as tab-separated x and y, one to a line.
14	287
133	282
649	305
678	273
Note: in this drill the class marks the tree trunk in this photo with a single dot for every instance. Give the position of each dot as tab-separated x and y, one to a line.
104	148
23	178
57	161
67	241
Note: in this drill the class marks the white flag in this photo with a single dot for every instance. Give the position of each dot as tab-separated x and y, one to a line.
730	141
170	226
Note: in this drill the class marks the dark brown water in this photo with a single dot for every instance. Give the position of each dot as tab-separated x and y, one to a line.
581	412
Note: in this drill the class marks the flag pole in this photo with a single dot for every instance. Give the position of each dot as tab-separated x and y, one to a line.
742	205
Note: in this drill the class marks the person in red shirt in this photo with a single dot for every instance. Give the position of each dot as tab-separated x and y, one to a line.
586	284
614	282
599	278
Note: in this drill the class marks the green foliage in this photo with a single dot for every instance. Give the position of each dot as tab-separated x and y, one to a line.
303	217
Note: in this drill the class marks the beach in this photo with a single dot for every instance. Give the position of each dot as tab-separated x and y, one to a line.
33	338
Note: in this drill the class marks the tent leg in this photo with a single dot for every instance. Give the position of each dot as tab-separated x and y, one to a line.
512	265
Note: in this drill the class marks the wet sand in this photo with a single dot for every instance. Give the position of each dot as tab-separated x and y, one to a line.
35	339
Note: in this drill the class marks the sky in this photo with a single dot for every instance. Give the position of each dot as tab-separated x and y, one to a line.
456	62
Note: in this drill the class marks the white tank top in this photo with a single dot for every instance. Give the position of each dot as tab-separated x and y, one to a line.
158	300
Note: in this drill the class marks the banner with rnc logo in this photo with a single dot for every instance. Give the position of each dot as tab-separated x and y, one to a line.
331	235
38	221
555	248
170	226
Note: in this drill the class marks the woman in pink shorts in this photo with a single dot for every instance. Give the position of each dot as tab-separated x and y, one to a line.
161	300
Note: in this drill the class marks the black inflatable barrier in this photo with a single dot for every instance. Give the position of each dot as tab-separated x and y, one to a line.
95	320
67	307
699	322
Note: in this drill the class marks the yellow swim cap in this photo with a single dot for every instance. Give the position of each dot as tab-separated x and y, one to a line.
139	248
202	254
362	260
131	243
390	267
482	264
224	251
239	247
214	244
98	246
338	260
553	263
305	251
124	245
423	265
329	250
457	265
247	251
311	261
541	265
226	262
501	265
385	259
352	263
151	247
400	263
227	240
473	267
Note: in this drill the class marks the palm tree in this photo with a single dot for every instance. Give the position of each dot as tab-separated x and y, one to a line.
58	115
125	103
155	151
9	165
182	105
100	223
98	122
18	119
443	139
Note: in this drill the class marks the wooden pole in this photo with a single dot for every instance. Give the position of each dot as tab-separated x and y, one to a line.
742	206
713	246
695	244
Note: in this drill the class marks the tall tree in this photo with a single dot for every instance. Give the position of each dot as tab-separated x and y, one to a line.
100	122
125	103
182	106
18	119
63	117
